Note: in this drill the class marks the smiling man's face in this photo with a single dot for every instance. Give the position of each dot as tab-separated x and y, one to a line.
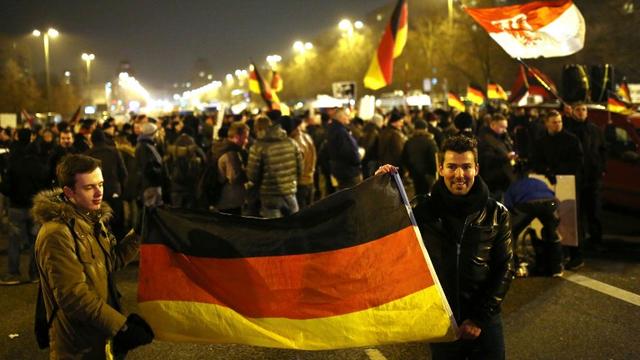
459	171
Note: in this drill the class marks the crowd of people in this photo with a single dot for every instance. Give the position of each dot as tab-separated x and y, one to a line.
461	167
271	165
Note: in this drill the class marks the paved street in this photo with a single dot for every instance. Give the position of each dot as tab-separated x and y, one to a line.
590	314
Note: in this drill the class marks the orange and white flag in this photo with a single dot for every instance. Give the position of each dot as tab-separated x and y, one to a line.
536	29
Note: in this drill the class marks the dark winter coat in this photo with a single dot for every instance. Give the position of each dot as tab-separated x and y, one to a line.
419	154
275	164
343	152
559	154
493	156
113	169
593	147
469	241
390	145
25	176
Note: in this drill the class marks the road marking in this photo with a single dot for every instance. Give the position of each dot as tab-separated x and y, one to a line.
606	289
375	354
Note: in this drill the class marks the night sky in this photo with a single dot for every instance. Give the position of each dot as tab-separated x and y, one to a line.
162	39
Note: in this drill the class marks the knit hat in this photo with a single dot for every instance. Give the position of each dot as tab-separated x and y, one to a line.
395	116
463	121
148	129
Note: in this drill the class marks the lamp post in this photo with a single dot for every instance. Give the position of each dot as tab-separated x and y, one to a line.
51	33
88	58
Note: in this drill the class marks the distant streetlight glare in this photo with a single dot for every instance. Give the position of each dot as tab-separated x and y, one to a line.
358	24
308	45
36	33
298	46
229	77
345	25
88	57
53	33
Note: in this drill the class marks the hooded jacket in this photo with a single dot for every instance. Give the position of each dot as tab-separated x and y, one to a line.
76	254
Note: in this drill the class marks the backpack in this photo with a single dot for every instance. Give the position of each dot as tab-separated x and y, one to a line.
209	186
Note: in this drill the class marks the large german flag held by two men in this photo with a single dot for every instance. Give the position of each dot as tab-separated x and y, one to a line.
349	271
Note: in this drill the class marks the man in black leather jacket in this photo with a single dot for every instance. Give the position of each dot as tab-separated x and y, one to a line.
468	237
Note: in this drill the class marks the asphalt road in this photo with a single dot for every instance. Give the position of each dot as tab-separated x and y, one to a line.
593	313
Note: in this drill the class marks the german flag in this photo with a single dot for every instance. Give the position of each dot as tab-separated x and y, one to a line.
380	73
276	82
454	102
496	92
623	92
616	105
259	86
475	94
349	271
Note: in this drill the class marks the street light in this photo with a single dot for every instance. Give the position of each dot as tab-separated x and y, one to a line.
51	33
273	60
88	58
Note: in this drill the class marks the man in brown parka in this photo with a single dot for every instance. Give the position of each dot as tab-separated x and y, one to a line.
76	256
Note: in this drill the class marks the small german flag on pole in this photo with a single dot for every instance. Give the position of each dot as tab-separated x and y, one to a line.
276	82
615	105
496	92
259	86
380	73
623	92
454	102
475	94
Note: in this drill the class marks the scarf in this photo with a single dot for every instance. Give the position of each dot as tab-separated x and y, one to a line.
456	205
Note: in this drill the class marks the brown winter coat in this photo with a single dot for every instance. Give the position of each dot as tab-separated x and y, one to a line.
75	276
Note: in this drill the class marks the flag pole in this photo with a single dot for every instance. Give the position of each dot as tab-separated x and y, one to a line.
542	82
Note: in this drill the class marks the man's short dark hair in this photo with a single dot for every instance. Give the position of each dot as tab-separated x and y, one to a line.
459	144
237	128
552	113
74	164
498	117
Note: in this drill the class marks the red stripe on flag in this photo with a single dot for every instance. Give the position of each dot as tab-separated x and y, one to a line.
295	286
385	55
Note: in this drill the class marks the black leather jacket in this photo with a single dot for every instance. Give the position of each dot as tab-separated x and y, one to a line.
472	257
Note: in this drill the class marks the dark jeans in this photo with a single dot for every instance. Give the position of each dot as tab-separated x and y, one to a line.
304	195
25	234
278	206
488	346
589	214
549	252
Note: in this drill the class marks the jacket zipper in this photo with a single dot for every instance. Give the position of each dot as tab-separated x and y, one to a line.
458	251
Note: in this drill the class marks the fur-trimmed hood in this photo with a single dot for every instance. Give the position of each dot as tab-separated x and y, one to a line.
51	205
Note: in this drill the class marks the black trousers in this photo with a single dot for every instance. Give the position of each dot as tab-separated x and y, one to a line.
549	251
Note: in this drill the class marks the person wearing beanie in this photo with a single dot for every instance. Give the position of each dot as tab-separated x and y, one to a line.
419	158
464	123
115	176
392	139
